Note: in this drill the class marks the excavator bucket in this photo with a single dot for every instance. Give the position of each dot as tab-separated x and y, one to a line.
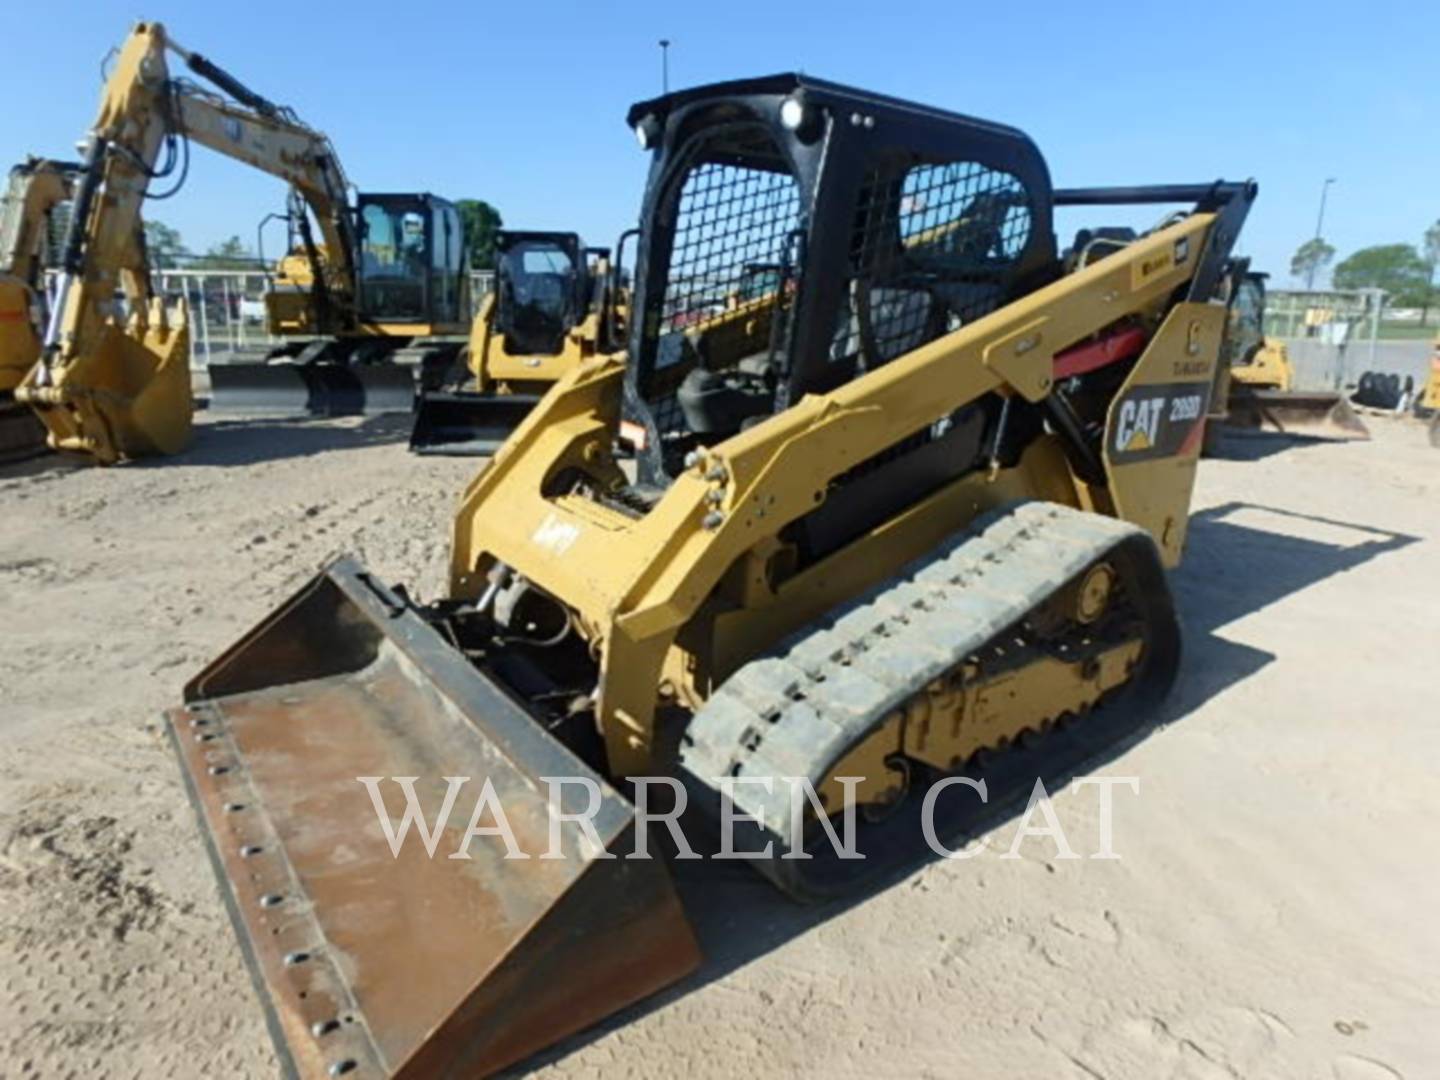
381	960
128	396
467	424
311	389
1317	414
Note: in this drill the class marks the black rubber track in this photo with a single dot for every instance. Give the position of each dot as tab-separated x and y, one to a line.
798	710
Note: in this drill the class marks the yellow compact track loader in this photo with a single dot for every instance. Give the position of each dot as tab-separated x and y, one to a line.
113	379
1257	387
900	514
31	215
554	305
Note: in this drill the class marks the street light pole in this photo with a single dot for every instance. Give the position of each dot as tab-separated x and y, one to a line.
665	65
1319	226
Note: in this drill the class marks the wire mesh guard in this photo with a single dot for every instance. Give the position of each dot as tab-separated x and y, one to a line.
733	226
934	247
731	219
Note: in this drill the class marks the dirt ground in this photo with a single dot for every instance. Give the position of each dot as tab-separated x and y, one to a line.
1271	914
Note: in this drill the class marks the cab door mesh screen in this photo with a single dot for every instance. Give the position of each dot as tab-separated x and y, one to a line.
729	218
733	225
934	247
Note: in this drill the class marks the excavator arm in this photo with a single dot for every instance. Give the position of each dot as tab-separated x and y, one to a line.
29	207
117	386
35	189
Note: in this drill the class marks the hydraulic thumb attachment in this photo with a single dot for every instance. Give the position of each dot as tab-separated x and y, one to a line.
417	958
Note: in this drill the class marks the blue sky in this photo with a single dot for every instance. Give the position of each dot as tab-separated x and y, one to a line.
523	104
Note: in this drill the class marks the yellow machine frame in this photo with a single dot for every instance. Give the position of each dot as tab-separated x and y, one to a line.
635	584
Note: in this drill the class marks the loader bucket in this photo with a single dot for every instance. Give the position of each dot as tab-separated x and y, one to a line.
128	396
467	424
373	963
1316	414
311	389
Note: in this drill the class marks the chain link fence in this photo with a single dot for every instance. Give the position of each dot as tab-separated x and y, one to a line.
227	308
1333	337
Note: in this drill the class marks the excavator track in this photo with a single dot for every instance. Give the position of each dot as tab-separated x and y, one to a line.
22	435
976	606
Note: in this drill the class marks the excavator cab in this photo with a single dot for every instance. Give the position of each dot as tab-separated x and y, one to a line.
411	261
411	282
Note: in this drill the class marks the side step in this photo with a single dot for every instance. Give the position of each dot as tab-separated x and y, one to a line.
311	389
466	424
374	964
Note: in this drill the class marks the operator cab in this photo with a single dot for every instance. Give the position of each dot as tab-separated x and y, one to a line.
797	233
543	287
411	266
1245	323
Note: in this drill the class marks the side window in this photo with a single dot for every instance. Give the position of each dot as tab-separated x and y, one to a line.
963	216
445	261
1244	331
394	267
380	249
935	246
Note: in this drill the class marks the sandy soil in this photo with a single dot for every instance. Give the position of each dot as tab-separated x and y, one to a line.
1271	914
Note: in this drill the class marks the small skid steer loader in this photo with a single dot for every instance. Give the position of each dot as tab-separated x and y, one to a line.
896	515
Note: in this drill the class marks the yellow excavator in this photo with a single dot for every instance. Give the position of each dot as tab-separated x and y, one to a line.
554	305
113	379
1427	404
902	516
32	211
1256	387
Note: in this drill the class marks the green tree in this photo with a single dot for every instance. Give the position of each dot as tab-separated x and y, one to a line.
1309	259
231	254
163	245
1396	268
480	222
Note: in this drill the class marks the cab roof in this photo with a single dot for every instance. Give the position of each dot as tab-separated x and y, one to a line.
817	91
